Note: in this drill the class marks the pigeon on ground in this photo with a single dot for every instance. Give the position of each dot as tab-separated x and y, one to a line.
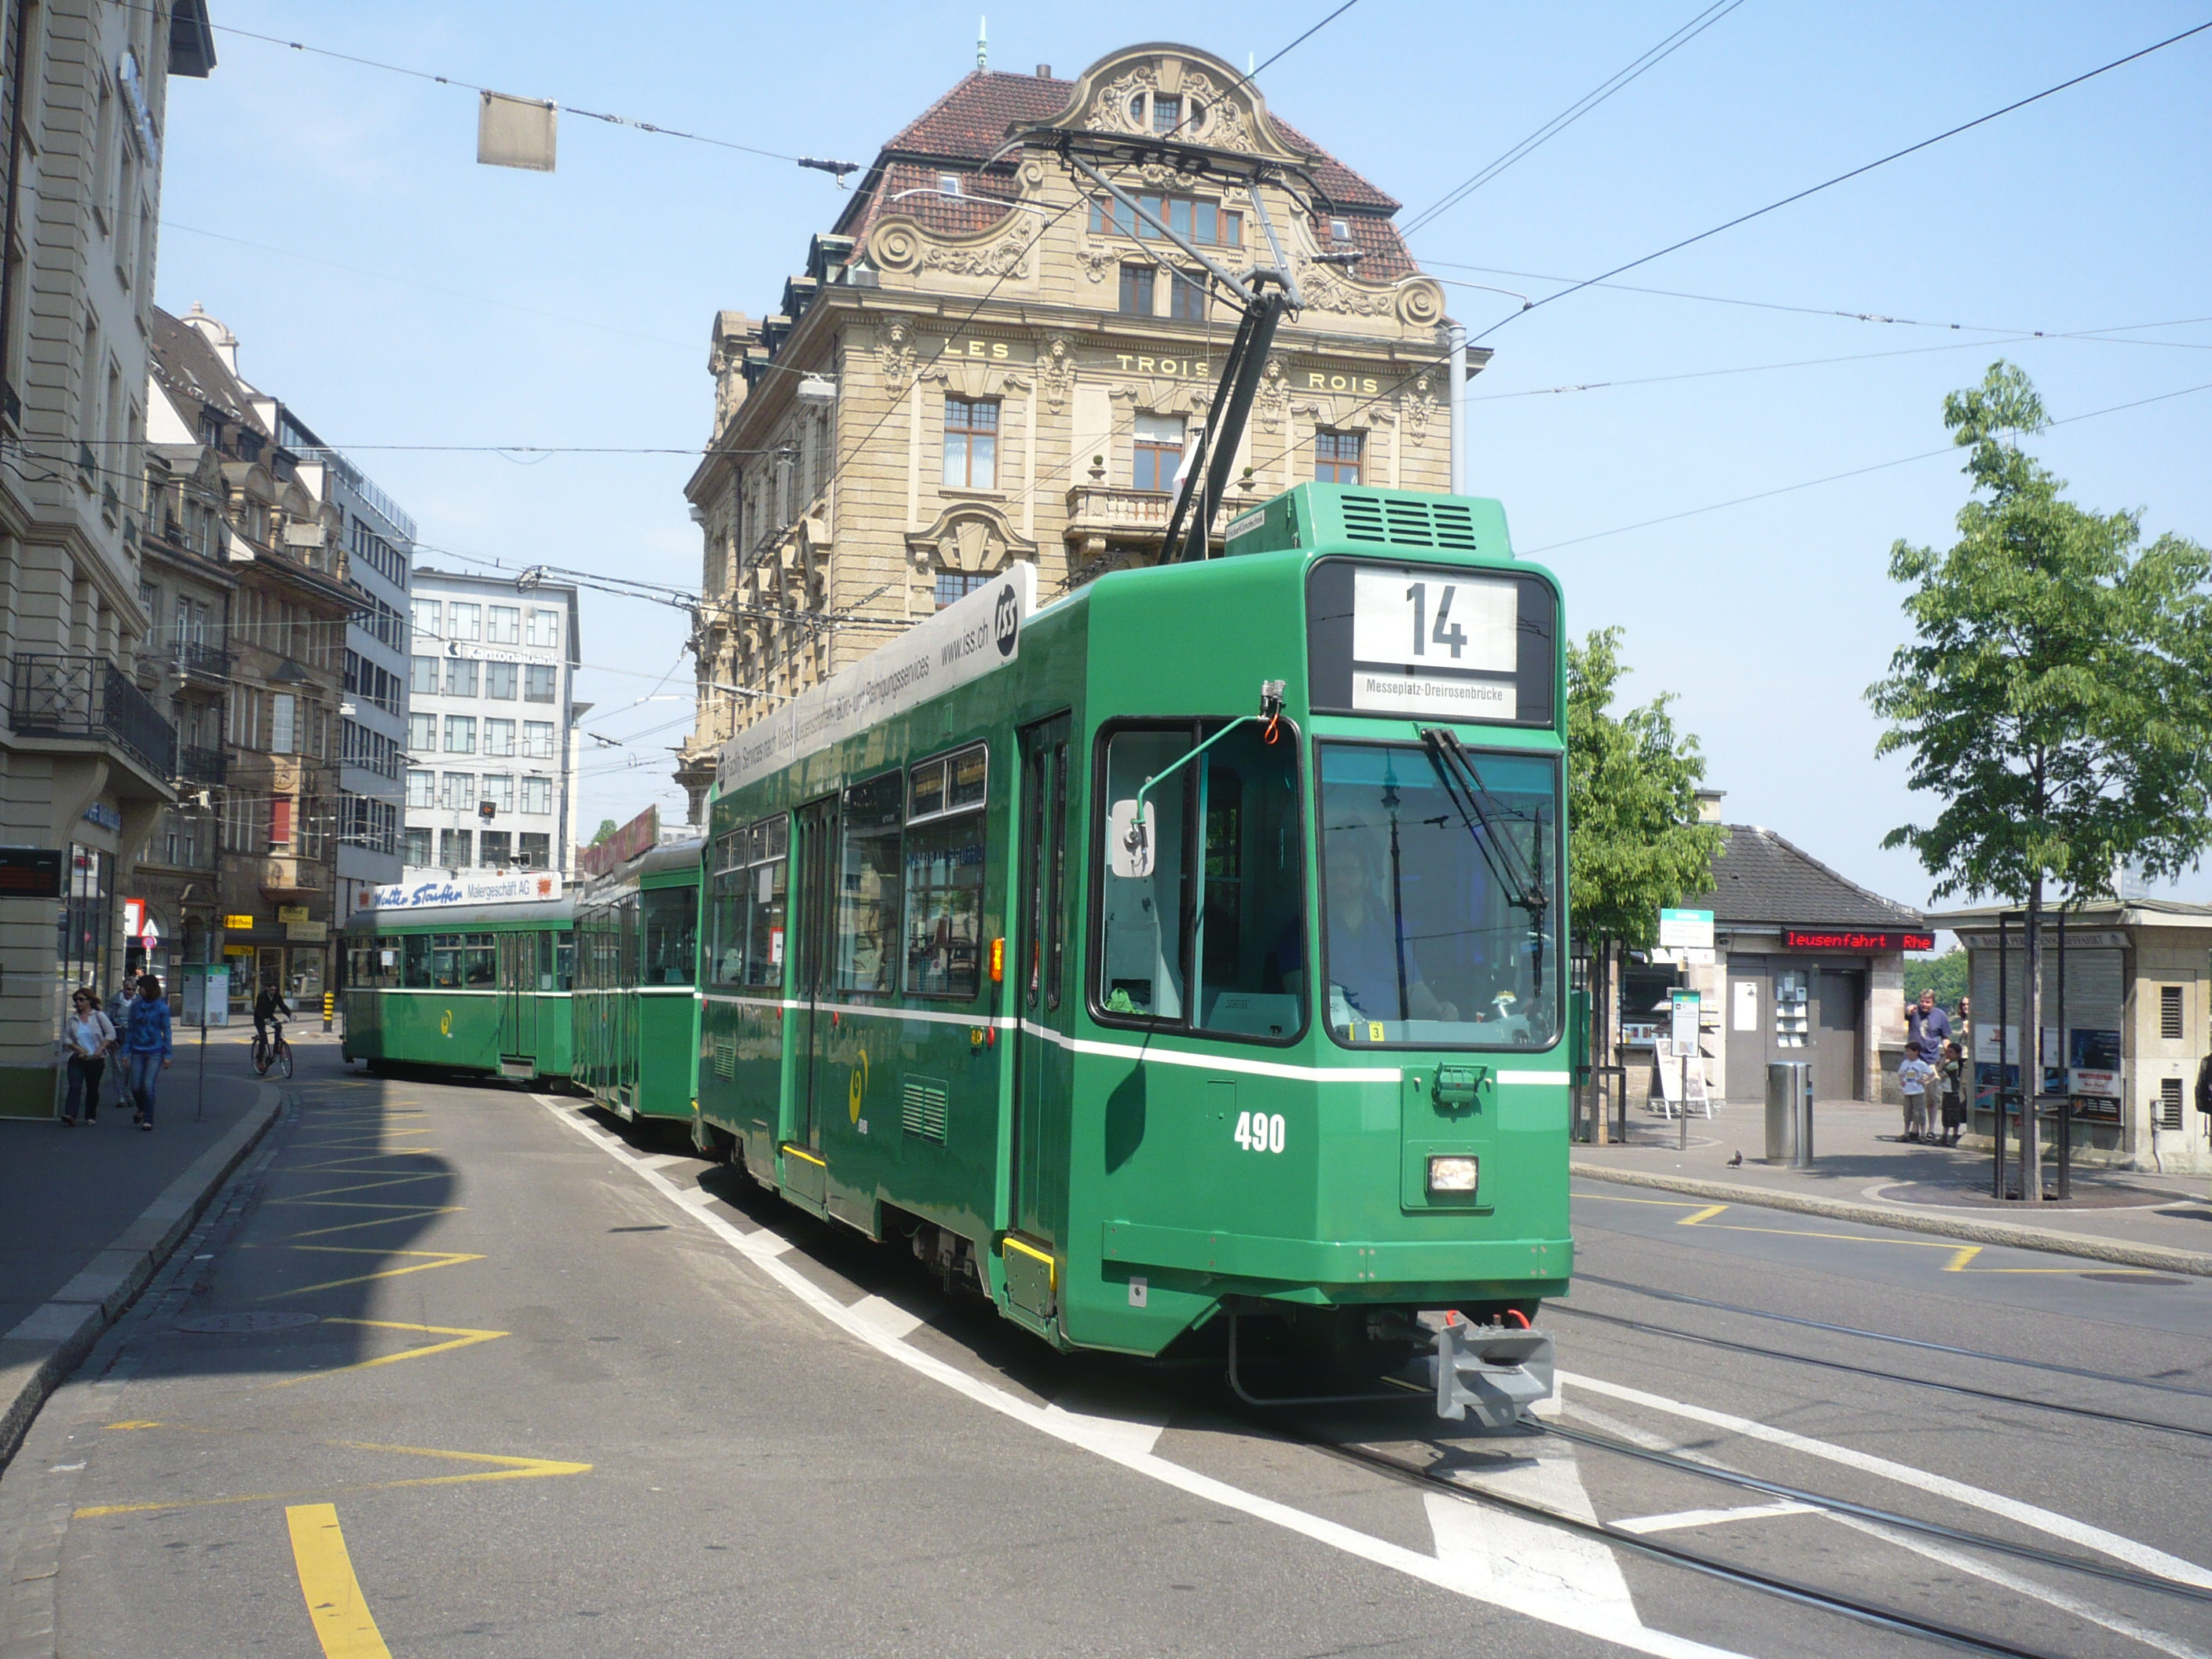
1736	1162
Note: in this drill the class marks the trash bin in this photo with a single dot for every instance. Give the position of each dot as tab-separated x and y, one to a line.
1790	1113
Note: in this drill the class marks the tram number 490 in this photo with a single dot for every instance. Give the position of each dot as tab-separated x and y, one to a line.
1260	1132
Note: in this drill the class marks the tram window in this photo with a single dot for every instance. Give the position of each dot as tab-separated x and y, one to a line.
1056	922
481	960
1144	948
728	908
948	783
868	885
564	961
1251	918
671	934
444	961
415	966
945	879
1440	929
768	879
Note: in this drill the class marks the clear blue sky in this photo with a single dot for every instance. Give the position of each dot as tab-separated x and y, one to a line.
576	307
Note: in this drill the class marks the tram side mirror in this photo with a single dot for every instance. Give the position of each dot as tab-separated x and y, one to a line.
1129	840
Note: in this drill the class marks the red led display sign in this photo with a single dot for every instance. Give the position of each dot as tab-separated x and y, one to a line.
1852	938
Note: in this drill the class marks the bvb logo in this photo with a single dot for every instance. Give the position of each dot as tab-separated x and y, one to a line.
446	1023
858	1088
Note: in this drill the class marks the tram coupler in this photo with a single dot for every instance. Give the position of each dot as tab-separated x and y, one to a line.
1498	1372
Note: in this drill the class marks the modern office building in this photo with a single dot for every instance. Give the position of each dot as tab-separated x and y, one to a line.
491	724
380	542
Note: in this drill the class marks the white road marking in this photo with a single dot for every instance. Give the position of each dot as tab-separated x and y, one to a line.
1496	1549
1682	1520
662	1160
1958	1560
696	1197
2027	1515
886	1317
1110	1440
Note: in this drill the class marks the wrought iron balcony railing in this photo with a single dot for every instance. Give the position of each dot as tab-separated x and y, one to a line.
195	765
78	694
198	657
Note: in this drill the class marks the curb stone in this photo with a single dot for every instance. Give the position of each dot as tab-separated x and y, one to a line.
2010	1235
49	1343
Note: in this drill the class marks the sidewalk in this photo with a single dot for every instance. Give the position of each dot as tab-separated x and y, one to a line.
87	1214
1862	1172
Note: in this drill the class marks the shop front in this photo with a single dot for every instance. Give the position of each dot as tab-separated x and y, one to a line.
289	951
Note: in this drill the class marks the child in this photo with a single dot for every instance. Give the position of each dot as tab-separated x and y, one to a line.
1951	1071
1913	1078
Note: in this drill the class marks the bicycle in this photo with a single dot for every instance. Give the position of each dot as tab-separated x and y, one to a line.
272	1050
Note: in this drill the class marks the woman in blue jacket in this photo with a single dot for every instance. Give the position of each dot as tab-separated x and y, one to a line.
146	1047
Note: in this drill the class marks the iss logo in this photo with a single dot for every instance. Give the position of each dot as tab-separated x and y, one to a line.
1009	620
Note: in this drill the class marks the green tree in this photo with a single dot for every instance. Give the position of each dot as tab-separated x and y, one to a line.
2057	696
1946	976
1634	844
607	827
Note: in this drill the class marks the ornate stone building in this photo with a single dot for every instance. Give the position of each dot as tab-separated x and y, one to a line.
989	358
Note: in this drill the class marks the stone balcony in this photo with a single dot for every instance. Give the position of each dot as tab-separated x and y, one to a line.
1103	518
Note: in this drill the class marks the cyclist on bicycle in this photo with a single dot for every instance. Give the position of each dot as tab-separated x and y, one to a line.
268	1005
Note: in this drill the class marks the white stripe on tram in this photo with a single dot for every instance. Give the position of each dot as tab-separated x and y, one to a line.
1165	1056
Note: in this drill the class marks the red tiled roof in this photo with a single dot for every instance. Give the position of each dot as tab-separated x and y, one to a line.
1344	187
969	123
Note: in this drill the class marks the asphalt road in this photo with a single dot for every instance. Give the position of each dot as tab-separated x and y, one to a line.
479	1373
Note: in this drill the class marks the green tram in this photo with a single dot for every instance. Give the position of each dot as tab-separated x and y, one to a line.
636	1004
464	987
1009	934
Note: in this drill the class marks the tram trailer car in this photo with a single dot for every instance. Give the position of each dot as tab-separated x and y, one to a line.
480	988
636	1001
1022	970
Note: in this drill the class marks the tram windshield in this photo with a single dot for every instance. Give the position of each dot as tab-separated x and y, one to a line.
1440	912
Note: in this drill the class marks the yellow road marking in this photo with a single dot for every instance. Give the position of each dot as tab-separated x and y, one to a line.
406	1213
504	1468
462	1338
440	1259
366	1186
356	1164
343	1624
1960	1255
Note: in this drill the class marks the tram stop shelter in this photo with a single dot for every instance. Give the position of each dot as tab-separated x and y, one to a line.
1805	965
2125	1025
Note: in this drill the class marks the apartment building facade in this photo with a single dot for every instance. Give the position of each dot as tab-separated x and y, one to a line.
491	712
380	545
989	358
87	760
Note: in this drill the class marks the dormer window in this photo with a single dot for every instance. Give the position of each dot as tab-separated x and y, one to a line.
1167	112
1339	230
948	184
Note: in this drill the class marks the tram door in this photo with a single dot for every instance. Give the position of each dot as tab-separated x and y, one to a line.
518	1025
1043	969
816	916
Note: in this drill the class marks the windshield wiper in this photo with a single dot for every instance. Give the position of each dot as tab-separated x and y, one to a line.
1479	810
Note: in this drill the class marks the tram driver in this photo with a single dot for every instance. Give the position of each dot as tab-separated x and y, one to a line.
1363	938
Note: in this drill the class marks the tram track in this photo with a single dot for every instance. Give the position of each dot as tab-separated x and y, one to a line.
1872	1613
2051	1367
1993	1395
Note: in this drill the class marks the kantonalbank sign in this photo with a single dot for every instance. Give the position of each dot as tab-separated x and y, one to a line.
1846	938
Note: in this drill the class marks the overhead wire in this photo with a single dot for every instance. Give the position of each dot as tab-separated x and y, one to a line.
1854	472
1574	112
1855	172
566	109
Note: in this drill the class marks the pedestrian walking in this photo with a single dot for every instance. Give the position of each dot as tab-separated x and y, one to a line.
119	1014
1953	1073
1913	1078
87	1036
146	1047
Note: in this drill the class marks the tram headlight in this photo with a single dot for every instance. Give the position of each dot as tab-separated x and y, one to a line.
1455	1172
